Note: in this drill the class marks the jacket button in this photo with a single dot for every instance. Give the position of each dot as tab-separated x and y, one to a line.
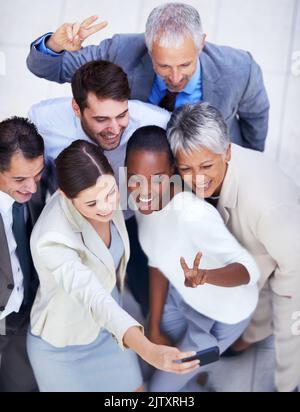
10	287
2	308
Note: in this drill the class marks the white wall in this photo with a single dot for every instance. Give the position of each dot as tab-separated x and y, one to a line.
269	29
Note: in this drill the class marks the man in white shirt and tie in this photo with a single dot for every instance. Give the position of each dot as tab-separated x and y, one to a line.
21	168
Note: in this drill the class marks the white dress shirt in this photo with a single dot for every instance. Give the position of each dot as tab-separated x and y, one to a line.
59	126
16	298
186	226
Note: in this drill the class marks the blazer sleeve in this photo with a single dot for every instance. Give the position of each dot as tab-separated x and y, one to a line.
208	232
278	230
253	110
61	68
80	283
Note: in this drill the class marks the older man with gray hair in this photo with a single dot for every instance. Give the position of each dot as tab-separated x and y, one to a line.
261	208
169	65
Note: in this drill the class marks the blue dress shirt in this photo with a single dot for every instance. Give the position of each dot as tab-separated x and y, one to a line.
40	45
192	93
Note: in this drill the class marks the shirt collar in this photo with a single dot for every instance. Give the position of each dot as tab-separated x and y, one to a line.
189	88
229	191
6	202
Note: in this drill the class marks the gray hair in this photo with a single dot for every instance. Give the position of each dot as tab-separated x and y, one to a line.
170	23
196	126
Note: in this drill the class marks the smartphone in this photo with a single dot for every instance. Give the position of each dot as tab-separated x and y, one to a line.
205	356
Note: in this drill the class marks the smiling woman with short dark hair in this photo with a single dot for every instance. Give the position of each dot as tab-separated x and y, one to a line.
194	308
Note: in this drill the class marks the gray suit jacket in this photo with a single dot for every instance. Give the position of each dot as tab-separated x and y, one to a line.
231	80
35	206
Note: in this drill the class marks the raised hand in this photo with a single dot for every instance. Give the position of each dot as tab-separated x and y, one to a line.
70	36
194	276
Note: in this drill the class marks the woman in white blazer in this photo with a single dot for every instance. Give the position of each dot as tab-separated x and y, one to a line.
79	331
260	205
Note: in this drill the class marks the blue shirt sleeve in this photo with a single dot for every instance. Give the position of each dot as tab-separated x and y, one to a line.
40	45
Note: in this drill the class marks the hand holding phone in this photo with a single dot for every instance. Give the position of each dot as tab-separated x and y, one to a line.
205	356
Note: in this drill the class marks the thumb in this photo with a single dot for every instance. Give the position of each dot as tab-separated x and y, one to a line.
184	265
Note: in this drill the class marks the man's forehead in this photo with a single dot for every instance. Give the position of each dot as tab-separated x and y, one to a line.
105	107
22	167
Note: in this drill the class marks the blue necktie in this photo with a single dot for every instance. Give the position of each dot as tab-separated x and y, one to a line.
22	235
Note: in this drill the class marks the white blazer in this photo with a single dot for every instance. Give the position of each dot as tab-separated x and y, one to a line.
261	208
77	275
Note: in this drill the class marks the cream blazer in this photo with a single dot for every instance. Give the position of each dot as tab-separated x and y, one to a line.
261	208
77	274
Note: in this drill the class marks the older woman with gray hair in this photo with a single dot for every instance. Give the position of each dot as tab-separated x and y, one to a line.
261	208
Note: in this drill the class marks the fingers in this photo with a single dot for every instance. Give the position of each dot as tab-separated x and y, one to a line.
89	30
197	261
195	264
196	280
75	31
195	276
184	265
183	355
87	22
76	34
97	27
190	283
185	367
69	31
203	279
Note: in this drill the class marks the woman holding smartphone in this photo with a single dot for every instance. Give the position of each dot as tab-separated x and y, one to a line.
79	335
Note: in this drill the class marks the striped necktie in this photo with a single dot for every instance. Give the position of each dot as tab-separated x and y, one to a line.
168	101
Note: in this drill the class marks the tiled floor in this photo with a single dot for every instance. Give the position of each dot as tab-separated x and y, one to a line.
253	371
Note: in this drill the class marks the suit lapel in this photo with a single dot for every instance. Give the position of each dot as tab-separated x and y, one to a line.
229	193
37	202
5	263
90	237
223	212
142	79
94	243
211	92
121	227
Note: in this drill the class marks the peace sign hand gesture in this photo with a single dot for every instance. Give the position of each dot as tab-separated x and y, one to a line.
194	276
70	36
